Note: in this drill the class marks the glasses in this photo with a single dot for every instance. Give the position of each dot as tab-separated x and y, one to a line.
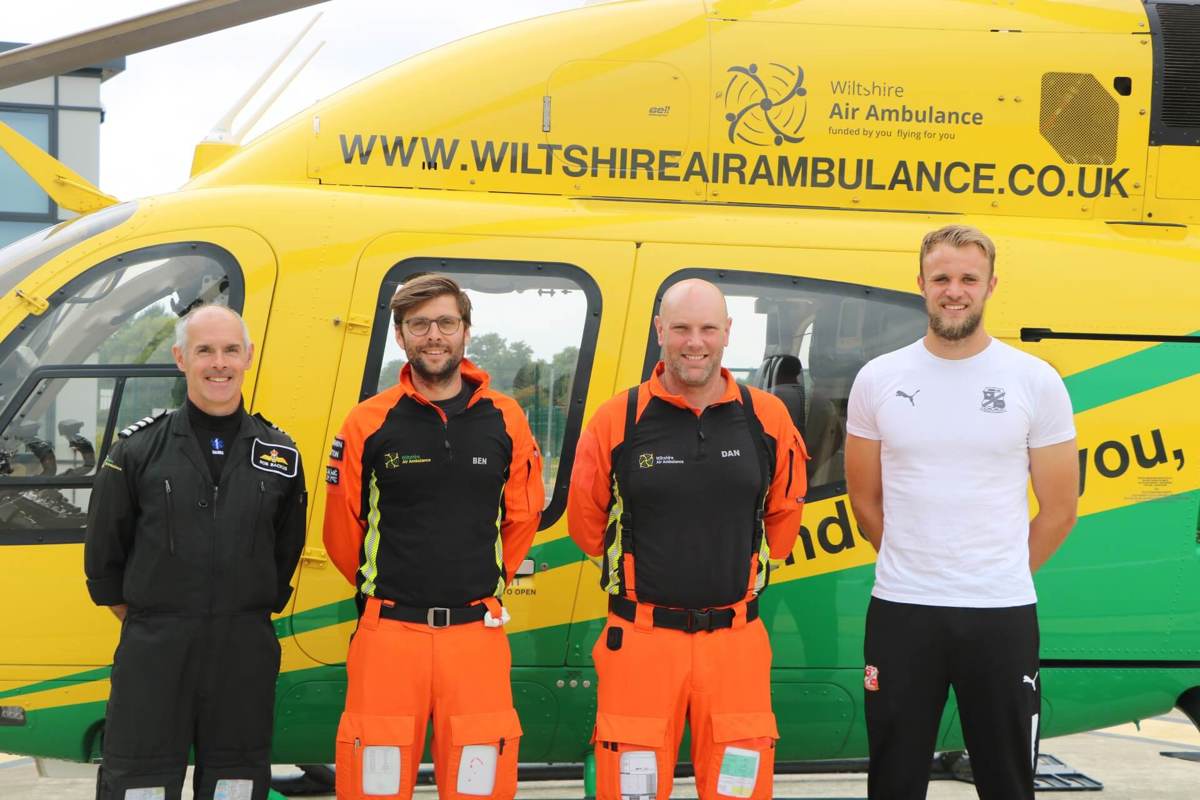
419	326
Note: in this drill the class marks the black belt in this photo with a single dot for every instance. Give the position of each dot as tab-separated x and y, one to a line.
434	617
689	620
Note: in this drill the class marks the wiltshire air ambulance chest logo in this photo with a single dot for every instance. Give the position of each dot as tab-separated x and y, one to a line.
277	458
396	460
648	460
766	105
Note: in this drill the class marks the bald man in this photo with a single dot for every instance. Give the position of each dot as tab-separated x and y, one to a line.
686	485
195	527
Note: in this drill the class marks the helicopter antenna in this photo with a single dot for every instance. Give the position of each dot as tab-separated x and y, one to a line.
270	101
221	131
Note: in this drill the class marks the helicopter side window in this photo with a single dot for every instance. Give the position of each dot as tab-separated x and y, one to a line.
97	360
533	331
804	341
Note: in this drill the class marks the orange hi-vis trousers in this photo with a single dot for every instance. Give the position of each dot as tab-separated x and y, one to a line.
402	673
653	679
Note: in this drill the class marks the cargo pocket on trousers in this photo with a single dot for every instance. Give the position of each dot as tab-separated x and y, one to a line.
740	761
632	760
374	756
483	754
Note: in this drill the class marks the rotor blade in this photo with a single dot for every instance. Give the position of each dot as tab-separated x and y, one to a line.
69	189
168	25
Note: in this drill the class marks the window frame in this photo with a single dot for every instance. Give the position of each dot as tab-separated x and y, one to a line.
237	300
237	283
51	214
775	280
407	268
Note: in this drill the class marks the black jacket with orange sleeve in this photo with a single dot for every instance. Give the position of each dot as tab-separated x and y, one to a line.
689	510
429	511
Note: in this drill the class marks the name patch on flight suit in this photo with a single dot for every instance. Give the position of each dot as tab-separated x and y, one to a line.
277	458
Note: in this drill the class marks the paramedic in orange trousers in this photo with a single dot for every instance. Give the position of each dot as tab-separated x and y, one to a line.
434	495
687	485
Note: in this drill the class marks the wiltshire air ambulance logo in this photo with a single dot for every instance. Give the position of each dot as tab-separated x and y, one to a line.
646	460
766	106
395	460
277	458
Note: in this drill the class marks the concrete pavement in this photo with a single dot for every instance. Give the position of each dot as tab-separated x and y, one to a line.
1126	760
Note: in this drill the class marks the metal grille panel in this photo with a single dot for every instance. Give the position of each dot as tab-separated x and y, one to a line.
1079	118
1180	27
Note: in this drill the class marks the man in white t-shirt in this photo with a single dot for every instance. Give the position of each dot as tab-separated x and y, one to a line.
944	437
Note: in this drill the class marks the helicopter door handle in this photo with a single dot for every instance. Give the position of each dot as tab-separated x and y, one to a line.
356	323
37	305
314	557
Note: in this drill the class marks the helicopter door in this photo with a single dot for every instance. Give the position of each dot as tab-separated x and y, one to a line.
96	359
546	322
804	323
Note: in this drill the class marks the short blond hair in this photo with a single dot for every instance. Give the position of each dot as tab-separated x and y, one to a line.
958	236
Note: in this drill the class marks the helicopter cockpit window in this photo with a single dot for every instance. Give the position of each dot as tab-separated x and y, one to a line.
533	331
804	341
19	259
97	360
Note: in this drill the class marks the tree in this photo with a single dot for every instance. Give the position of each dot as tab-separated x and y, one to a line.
564	362
499	358
389	376
144	339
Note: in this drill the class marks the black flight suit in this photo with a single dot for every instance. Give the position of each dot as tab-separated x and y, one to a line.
201	565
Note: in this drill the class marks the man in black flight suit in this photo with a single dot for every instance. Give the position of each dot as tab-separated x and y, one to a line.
195	527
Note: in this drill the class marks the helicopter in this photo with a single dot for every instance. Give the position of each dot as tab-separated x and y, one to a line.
567	170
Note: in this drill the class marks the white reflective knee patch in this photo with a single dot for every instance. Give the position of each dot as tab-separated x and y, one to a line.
477	769
381	769
147	793
639	775
234	789
739	772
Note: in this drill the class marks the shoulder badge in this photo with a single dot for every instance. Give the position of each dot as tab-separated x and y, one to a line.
144	422
258	416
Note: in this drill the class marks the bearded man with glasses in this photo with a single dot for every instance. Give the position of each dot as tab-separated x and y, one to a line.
434	493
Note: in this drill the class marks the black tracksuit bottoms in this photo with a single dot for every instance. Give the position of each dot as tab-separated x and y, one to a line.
913	654
180	684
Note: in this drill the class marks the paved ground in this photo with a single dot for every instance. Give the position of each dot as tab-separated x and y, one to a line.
1127	761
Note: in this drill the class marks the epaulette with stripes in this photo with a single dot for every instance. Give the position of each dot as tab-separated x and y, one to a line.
258	416
144	422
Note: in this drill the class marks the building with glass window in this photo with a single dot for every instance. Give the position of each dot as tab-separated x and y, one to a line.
62	115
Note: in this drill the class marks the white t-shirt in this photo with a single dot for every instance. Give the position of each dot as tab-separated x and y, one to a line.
955	440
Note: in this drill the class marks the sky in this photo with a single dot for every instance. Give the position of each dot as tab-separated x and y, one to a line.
169	99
